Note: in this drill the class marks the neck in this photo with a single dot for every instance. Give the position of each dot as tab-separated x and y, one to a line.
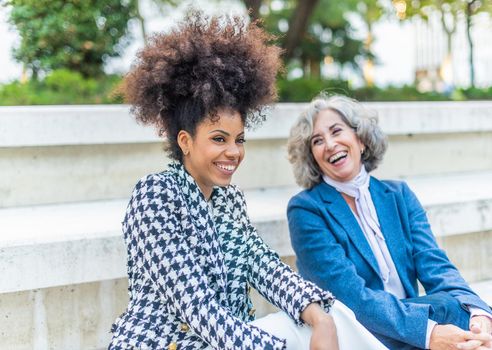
204	189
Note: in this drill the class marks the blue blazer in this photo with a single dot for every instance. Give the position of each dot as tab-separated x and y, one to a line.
333	252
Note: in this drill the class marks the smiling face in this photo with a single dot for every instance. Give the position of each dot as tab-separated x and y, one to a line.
214	153
335	147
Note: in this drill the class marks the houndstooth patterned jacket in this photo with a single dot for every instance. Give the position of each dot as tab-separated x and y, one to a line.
190	267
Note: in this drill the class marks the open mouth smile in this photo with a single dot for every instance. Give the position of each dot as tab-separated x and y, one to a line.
337	157
227	168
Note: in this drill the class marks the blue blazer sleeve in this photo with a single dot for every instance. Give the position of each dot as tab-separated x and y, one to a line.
434	270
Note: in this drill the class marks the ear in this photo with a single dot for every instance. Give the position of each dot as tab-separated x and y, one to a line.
184	141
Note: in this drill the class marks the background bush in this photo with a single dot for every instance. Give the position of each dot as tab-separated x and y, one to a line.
68	87
62	87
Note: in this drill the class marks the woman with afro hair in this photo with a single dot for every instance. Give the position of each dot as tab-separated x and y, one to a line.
192	252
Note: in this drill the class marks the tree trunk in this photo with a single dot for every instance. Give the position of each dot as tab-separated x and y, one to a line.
297	26
469	12
315	69
254	7
141	20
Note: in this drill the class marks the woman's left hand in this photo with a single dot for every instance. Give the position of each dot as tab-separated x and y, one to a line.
324	335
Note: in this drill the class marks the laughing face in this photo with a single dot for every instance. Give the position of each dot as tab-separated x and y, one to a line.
214	153
335	147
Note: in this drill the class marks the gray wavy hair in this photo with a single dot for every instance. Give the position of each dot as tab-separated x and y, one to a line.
364	122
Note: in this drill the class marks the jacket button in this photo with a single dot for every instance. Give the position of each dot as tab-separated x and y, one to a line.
184	327
252	312
172	346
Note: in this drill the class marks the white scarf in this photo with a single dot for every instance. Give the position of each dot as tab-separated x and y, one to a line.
358	188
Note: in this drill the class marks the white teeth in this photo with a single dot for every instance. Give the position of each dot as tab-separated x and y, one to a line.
226	167
337	156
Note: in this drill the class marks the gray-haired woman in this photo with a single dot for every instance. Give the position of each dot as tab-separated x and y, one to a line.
369	241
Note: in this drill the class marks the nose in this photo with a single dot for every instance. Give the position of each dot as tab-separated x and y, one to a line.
233	151
330	144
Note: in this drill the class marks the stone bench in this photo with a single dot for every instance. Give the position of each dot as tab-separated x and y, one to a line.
79	155
51	245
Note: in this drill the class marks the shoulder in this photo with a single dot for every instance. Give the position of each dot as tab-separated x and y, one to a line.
308	198
156	182
400	190
396	186
155	191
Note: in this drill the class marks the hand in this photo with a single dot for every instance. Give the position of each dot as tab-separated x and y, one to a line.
450	337
480	324
324	335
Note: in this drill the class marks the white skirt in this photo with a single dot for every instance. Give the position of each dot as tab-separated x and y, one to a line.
351	334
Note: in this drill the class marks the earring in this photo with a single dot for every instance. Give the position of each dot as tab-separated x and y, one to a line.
185	152
362	151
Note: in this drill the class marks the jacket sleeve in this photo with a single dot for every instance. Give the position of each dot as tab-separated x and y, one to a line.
276	281
434	270
322	259
162	252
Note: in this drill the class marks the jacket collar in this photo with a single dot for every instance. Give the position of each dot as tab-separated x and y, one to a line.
388	215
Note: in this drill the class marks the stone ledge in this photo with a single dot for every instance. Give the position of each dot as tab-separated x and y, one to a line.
25	126
484	290
52	245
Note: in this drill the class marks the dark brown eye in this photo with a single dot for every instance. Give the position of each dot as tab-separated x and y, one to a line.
218	139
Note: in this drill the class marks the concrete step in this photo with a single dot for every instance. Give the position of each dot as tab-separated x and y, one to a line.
61	154
50	245
63	266
484	290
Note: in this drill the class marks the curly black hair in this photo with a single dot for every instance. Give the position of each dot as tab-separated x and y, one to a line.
205	64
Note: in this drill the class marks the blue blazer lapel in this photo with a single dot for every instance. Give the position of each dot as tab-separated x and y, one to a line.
389	220
341	213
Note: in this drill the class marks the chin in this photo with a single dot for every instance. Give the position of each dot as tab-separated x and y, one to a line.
223	183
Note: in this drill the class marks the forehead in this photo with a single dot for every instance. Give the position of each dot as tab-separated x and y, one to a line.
226	120
326	118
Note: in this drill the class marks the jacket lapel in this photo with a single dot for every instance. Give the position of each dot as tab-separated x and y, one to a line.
203	222
389	220
342	214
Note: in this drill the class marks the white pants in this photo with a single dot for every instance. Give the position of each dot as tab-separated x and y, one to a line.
351	334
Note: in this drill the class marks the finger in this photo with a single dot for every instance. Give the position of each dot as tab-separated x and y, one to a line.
482	336
469	345
475	328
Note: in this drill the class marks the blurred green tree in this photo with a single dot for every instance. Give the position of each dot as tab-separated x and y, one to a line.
311	32
449	11
79	35
317	31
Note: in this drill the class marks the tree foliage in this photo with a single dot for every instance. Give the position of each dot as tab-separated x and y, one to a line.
74	34
309	31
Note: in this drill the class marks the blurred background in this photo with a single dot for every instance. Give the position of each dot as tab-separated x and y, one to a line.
75	52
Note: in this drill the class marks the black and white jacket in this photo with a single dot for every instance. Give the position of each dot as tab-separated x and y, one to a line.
190	270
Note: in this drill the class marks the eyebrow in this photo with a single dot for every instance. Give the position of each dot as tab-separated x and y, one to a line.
335	124
224	132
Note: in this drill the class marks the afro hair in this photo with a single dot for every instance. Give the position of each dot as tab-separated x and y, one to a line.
205	64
